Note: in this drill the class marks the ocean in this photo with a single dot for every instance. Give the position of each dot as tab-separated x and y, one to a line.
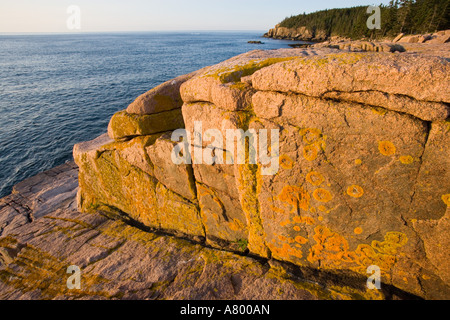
60	89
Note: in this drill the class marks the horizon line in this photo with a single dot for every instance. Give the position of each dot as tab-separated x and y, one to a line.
127	31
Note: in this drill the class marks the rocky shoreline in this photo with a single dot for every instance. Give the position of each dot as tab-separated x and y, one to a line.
42	234
434	44
296	34
356	146
319	36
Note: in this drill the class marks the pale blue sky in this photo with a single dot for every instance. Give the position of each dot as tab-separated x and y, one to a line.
141	15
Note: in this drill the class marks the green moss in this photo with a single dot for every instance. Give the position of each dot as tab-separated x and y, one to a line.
38	271
166	102
240	86
242	244
236	72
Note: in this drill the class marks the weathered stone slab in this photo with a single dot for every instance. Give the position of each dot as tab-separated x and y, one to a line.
124	125
224	220
432	189
176	214
164	97
347	178
223	85
118	261
362	158
129	176
178	178
428	111
107	179
418	77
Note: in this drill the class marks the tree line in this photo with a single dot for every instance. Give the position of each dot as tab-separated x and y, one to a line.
400	16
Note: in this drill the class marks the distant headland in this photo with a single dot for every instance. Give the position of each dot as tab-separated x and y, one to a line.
409	17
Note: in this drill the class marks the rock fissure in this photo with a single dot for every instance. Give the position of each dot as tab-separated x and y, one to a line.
427	136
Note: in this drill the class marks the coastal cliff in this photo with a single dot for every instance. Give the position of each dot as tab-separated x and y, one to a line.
300	33
362	180
399	17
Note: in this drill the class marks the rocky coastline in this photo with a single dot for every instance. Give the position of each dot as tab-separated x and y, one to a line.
317	36
364	139
296	34
43	234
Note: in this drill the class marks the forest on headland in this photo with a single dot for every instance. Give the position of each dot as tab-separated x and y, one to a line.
399	16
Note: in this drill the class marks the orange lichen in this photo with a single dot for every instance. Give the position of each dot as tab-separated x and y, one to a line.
297	228
386	148
322	208
310	152
295	196
358	230
314	141
236	225
285	251
286	162
358	162
301	240
379	111
446	199
277	210
315	178
392	241
330	246
332	250
322	195
307	220
285	223
310	135
355	191
406	159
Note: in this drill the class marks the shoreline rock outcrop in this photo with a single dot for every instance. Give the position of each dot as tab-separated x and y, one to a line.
299	34
317	35
439	37
362	180
436	44
42	234
363	154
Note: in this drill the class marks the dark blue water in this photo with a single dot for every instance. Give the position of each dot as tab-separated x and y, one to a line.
57	90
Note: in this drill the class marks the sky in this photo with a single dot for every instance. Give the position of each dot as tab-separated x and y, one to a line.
27	16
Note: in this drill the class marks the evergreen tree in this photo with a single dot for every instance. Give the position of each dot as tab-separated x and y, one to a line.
409	16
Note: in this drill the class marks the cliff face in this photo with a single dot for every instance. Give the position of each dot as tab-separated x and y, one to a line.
363	179
301	34
42	234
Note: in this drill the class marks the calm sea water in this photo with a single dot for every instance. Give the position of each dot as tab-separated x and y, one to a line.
57	90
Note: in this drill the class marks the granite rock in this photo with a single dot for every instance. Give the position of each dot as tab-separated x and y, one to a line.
361	176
